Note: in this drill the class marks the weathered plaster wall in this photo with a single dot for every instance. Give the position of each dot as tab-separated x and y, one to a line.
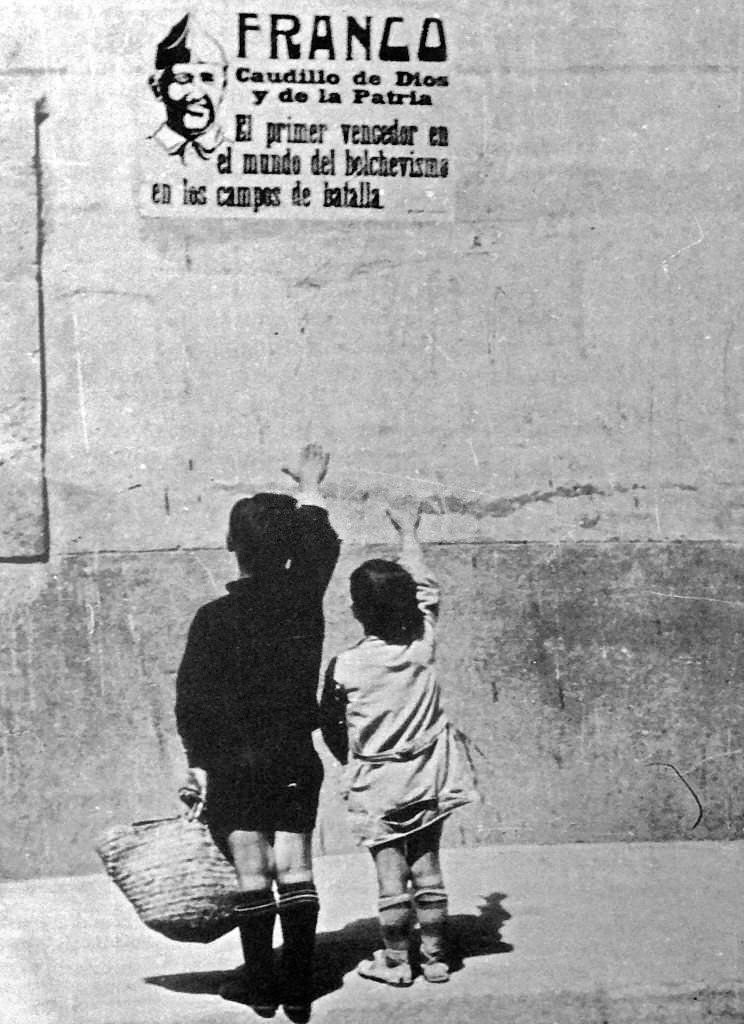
561	366
571	668
577	327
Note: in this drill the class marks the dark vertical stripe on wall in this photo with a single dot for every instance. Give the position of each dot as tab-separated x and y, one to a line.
41	113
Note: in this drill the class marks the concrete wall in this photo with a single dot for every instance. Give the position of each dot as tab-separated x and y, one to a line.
557	373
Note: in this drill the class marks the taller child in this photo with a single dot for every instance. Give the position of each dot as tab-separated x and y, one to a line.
246	709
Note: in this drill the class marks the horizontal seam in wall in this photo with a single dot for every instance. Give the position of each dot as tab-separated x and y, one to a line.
28	72
486	542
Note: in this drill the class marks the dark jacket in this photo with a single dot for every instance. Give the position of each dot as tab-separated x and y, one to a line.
249	675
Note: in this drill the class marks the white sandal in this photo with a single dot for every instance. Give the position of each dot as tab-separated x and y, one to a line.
436	971
379	968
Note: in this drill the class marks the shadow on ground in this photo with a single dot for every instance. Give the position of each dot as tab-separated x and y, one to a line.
339	952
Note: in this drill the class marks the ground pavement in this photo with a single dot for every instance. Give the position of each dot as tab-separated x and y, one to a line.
582	934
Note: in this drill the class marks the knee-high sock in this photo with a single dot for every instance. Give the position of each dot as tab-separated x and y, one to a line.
255	913
431	911
395	923
298	912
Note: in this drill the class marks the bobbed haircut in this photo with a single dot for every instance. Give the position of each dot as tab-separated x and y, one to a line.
384	597
261	531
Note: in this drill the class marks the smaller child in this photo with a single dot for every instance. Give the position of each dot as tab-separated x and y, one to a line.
381	707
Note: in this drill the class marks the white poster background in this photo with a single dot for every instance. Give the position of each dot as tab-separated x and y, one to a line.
323	115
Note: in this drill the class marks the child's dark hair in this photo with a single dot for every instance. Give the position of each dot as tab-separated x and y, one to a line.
384	597
261	531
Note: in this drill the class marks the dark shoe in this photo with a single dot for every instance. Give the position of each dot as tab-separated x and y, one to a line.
299	1014
240	988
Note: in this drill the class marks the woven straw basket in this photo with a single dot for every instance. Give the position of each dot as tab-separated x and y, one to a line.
173	875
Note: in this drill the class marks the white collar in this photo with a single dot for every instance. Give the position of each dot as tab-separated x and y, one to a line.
174	143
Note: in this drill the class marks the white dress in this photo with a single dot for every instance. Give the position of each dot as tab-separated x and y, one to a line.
408	766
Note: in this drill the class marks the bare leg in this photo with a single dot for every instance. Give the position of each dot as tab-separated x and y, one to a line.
253	856
293	857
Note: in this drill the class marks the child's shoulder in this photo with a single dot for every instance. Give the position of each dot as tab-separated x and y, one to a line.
210	610
369	655
350	653
358	652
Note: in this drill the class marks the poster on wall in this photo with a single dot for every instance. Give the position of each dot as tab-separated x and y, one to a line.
268	112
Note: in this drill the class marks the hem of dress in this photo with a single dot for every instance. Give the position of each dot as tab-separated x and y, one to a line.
391	838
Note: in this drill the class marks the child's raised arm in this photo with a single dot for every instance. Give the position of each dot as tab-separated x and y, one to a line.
311	469
317	543
412	558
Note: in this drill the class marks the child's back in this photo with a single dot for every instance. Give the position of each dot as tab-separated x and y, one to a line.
390	684
381	709
248	678
392	697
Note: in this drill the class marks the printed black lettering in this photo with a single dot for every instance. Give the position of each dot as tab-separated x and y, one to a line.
286	26
322	40
362	34
434	52
387	51
246	24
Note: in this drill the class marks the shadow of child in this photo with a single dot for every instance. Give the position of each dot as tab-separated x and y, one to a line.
340	951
